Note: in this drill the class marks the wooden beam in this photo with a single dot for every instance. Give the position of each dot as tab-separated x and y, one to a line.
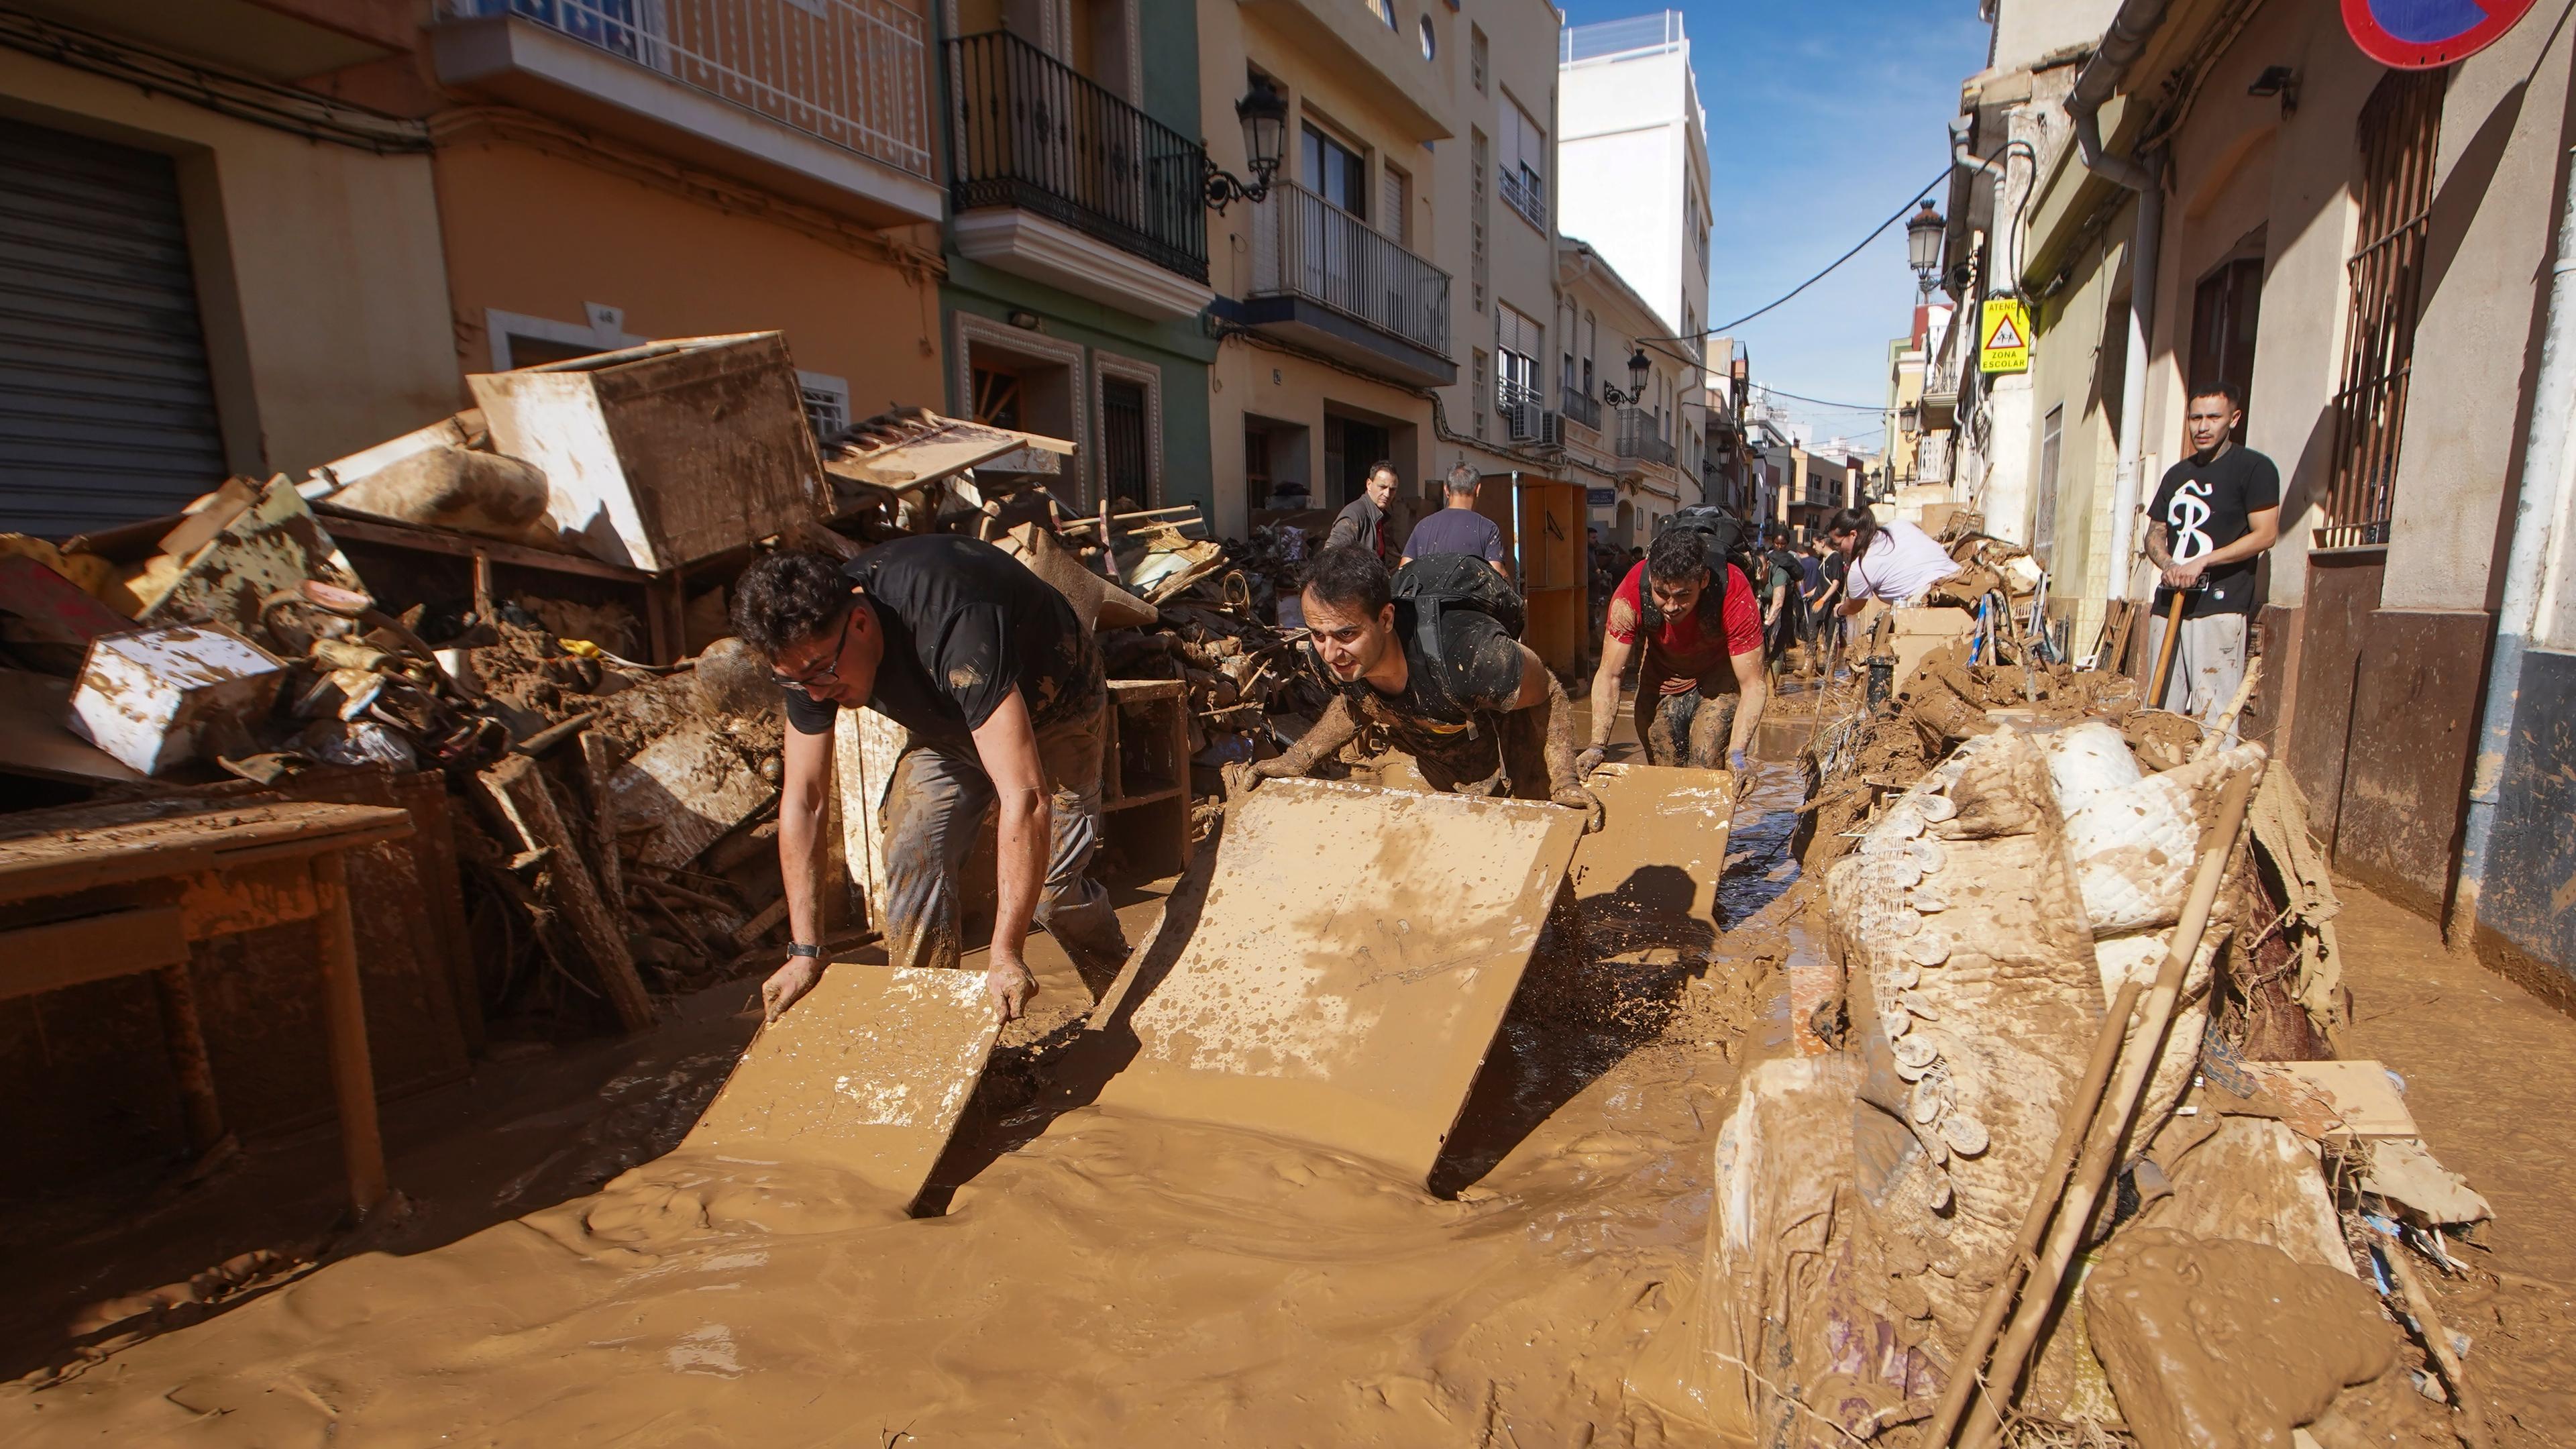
353	1071
518	788
91	948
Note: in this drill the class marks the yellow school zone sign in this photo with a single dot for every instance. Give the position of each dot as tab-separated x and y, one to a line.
2003	337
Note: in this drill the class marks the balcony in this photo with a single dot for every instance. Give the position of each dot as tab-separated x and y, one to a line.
1525	193
825	101
1579	406
1324	280
1525	415
1640	438
1059	180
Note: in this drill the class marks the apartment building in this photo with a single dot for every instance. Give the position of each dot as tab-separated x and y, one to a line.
1388	294
211	269
1634	150
271	232
1077	256
2368	252
1623	394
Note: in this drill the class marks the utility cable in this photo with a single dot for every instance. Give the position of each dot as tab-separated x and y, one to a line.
1921	194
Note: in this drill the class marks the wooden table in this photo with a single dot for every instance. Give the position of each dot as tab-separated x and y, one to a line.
93	892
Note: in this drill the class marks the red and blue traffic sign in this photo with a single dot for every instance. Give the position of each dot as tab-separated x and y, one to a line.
2428	34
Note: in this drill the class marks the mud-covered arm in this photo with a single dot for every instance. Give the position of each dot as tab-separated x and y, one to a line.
1006	745
1540	690
1753	686
803	807
1338	727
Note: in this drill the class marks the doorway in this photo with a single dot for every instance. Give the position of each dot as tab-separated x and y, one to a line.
1350	446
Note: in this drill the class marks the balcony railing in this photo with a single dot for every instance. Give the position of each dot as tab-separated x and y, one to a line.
1033	133
1640	438
1581	406
1526	194
849	72
1304	246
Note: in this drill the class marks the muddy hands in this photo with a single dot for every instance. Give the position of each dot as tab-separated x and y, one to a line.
1575	797
787	984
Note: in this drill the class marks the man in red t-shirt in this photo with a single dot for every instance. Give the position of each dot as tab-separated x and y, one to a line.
1702	680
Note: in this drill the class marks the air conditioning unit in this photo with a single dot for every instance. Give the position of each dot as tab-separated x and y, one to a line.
1551	430
1530	423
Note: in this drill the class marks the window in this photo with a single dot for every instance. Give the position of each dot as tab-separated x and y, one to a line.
2223	312
1336	173
1518	342
1476	57
1125	473
1395	211
1523	179
1478	376
2043	523
1430	42
827	404
2384	276
997	397
1478	153
1383	10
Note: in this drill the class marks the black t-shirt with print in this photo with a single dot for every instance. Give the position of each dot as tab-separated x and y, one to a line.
1481	675
2203	507
964	622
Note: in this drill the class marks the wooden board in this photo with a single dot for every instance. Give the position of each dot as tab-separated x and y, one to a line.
51	852
695	784
1345	975
867	1074
1647	880
2340	1099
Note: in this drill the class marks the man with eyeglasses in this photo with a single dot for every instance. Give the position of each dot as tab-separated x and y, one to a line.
1000	689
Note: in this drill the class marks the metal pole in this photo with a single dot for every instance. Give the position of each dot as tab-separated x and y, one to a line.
2133	382
2535	519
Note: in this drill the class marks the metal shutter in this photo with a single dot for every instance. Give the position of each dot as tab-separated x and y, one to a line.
106	411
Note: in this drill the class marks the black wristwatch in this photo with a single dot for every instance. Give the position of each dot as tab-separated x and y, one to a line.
801	949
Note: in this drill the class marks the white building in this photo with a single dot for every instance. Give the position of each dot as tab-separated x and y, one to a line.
1633	185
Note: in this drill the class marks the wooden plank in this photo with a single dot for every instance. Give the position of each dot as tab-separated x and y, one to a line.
55	852
35	742
1345	976
89	948
227	902
692	782
598	767
467	546
518	787
353	1076
868	1074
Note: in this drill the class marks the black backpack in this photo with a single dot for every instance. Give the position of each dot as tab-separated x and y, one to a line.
1440	582
1725	539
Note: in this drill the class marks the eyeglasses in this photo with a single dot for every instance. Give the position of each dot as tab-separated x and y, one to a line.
828	672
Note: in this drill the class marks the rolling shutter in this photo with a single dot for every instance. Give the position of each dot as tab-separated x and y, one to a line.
107	414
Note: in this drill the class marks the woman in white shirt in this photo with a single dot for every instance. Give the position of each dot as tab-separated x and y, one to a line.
1896	563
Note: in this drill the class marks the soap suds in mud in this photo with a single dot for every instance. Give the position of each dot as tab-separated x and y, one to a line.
1111	1278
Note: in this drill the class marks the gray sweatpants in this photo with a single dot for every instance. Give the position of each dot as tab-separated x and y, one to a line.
2208	666
935	809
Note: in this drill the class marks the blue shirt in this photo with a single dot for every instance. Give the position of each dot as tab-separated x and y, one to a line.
1456	530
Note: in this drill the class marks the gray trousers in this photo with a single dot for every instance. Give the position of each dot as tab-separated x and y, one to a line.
935	809
2208	666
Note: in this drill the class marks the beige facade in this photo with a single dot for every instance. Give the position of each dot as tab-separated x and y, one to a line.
321	302
1640	449
1391	297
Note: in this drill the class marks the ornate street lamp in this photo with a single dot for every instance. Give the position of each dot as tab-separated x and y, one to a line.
1638	367
1264	114
1923	245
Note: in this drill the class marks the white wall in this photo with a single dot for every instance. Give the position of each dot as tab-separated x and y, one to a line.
1625	153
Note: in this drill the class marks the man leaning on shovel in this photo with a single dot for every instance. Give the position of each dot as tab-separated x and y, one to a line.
1000	688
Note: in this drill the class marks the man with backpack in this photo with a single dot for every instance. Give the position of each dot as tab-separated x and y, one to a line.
1703	680
1432	657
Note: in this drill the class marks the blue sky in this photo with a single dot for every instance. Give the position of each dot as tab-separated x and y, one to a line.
1824	117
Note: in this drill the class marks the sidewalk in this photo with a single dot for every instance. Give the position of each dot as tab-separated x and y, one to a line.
2488	1070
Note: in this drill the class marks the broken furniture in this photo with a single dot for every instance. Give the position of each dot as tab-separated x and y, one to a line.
499	570
93	892
159	698
1145	774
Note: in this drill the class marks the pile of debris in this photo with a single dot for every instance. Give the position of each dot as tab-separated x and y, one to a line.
620	764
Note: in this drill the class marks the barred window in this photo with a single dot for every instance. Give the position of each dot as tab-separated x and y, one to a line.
2385	278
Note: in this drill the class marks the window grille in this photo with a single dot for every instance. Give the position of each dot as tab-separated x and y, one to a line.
2384	278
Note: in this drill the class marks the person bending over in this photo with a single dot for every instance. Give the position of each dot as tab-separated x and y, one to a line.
1701	688
1895	563
1474	707
1000	689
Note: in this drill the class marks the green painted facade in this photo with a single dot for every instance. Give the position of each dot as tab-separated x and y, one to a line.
1167	42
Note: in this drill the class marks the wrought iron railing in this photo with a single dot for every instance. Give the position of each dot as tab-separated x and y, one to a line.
1579	405
1029	131
1526	194
850	72
1641	437
1304	246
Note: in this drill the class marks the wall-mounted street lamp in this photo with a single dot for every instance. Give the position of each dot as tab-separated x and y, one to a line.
1264	113
1909	419
1638	367
1923	245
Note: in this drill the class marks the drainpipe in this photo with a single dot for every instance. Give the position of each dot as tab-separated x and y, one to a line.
2127	36
2544	488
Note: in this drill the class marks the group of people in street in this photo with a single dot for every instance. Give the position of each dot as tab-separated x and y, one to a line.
1001	693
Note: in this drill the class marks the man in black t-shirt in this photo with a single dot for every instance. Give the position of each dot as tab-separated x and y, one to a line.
2213	516
999	687
1484	717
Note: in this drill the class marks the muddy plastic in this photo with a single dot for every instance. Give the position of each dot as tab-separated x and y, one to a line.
1346	972
1647	880
868	1074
